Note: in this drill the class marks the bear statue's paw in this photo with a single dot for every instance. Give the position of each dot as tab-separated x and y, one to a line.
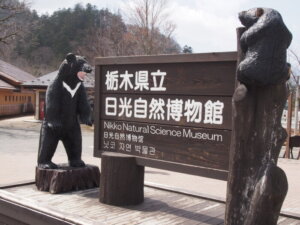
54	125
48	165
76	163
87	122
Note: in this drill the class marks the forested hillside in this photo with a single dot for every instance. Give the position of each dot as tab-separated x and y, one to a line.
40	42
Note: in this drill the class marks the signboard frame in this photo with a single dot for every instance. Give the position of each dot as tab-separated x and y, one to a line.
160	59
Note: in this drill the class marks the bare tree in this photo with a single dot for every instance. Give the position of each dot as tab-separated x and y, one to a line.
294	56
96	44
150	19
294	61
9	10
105	40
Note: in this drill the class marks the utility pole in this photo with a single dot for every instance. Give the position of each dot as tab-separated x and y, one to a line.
288	126
296	106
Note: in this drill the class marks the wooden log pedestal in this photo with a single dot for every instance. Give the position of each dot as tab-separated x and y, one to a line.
67	178
122	180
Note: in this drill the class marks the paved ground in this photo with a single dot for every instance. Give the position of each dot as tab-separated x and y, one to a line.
18	152
83	207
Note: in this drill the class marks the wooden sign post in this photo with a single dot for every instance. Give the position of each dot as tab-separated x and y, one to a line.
170	112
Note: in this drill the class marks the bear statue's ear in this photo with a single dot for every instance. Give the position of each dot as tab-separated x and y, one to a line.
70	57
259	12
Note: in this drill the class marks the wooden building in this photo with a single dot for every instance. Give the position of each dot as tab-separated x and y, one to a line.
14	99
39	86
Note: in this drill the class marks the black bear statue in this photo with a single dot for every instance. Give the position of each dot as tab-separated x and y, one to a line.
66	104
264	43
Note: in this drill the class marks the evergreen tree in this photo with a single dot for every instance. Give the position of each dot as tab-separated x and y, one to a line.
187	49
84	30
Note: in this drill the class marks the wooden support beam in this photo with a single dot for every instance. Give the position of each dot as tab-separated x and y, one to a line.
122	180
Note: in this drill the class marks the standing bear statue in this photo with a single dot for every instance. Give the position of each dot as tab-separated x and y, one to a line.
66	103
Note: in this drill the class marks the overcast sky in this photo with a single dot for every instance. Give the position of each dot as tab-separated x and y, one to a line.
205	25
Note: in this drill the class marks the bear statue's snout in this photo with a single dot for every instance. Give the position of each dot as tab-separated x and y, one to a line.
87	68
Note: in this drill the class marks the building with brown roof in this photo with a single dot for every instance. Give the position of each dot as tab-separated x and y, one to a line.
13	99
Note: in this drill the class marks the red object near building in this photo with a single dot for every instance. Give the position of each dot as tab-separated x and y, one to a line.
42	109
